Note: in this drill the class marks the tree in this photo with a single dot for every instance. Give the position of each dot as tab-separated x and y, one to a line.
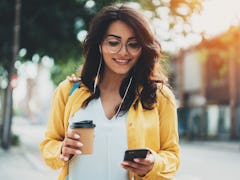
6	130
50	27
172	21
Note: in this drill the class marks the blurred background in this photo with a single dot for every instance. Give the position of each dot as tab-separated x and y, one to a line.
40	44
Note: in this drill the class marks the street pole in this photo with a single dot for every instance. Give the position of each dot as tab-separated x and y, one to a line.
6	136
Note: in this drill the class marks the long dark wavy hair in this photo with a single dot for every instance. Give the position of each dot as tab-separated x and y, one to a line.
144	83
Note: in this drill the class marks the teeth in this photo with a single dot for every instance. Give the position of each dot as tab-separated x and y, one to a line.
121	61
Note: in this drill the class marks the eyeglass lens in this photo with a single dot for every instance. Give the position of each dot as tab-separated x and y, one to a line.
114	45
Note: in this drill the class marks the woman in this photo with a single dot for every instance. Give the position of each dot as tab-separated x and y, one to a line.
124	92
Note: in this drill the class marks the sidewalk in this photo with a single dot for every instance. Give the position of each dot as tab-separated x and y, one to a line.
25	161
209	160
233	146
19	164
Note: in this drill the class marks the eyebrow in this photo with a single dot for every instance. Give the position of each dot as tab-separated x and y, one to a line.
119	37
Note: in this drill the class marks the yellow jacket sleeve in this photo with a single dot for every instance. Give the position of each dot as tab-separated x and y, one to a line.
167	159
50	147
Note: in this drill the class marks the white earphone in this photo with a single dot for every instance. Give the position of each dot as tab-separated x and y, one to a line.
98	71
100	49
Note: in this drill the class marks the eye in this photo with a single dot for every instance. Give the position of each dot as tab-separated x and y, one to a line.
134	45
113	43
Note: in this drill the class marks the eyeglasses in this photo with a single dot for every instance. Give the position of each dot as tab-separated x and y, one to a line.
114	45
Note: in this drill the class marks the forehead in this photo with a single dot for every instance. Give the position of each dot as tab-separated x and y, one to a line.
121	29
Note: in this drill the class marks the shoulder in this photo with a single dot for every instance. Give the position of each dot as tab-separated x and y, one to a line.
165	95
62	91
65	85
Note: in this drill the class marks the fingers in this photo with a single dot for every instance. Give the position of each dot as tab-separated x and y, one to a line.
71	146
148	160
140	166
134	167
69	150
73	78
72	140
64	158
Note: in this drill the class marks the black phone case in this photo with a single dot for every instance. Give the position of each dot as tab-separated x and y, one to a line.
135	153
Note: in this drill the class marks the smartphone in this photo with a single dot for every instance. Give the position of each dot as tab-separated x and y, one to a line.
130	154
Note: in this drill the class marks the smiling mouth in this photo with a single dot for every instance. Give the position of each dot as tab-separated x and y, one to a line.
121	60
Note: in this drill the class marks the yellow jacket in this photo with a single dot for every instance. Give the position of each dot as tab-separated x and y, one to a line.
155	129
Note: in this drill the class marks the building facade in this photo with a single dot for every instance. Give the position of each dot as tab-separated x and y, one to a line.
208	83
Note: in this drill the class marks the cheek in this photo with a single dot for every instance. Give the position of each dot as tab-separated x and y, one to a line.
106	55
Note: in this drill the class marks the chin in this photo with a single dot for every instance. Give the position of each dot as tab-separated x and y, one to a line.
122	73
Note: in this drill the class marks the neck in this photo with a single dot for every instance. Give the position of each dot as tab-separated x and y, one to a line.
111	82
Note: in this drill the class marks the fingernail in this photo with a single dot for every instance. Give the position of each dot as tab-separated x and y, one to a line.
76	136
65	159
79	144
136	160
78	152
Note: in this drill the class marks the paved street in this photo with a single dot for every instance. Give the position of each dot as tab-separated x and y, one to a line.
25	162
200	160
209	161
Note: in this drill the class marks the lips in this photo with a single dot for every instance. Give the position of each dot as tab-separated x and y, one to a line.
121	61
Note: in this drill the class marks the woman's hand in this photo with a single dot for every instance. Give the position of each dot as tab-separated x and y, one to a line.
140	166
71	146
73	78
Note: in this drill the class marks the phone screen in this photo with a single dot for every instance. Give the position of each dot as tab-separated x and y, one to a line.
135	153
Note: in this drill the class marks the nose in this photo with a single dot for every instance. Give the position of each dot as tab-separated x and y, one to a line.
123	50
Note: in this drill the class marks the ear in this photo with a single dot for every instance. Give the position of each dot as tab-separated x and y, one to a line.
100	49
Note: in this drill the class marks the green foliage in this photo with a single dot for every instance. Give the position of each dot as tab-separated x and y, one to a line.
60	71
6	30
15	140
50	27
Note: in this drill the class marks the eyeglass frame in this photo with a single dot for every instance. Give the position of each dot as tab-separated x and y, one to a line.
122	44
